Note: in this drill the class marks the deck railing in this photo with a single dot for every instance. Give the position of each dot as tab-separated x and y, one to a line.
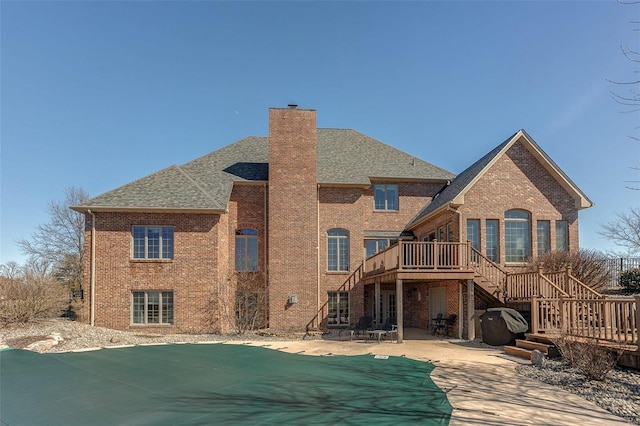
525	285
613	319
420	255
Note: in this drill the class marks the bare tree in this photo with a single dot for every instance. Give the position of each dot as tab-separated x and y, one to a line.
240	304
624	231
11	270
59	243
627	92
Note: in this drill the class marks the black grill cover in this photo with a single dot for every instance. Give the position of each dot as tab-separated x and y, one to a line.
501	326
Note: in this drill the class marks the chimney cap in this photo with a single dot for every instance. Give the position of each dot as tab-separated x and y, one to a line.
293	106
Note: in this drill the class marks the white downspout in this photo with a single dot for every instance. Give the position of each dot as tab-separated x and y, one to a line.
318	250
92	271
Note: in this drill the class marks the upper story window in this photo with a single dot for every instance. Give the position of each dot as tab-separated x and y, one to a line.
338	250
517	236
562	235
246	249
491	239
385	197
374	246
152	242
544	243
473	233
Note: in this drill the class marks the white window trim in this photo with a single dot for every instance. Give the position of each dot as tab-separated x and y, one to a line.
338	238
386	200
146	243
145	305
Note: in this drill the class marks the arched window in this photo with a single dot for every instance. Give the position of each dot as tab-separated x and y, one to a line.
338	250
246	249
517	235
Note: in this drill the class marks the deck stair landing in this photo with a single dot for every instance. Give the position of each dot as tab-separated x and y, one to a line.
524	347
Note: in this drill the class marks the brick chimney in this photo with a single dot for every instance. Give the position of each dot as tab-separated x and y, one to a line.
293	217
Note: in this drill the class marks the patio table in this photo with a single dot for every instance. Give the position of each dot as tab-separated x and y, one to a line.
377	333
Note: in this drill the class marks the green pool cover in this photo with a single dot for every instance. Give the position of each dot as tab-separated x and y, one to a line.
215	384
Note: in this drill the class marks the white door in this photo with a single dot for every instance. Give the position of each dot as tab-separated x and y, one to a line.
437	301
387	306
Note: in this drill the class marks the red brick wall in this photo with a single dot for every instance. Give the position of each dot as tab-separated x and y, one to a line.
192	275
293	235
518	181
352	209
246	209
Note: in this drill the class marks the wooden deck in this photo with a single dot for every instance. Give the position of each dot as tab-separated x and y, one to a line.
420	261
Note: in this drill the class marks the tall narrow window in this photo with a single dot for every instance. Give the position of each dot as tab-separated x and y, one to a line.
246	249
338	250
562	235
338	308
473	233
152	307
449	232
491	239
543	237
517	236
473	236
374	246
152	242
385	197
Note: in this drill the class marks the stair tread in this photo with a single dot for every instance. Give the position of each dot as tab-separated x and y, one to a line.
519	352
531	345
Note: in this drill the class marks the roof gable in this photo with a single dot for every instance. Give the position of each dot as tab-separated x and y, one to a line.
453	194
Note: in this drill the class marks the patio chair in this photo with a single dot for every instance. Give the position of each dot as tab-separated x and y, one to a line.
391	327
364	324
390	324
444	327
436	323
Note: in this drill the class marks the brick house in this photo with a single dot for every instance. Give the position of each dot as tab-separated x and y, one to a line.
314	227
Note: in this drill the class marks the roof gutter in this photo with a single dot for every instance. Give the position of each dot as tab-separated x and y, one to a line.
92	271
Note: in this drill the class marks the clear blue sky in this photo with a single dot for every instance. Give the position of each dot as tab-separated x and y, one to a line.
97	94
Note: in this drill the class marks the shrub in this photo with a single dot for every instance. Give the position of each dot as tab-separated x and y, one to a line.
76	310
589	358
588	266
31	297
629	280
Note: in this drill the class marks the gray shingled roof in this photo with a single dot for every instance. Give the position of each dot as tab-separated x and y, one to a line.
450	192
344	157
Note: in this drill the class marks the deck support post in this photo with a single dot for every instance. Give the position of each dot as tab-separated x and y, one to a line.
376	302
471	311
399	312
460	309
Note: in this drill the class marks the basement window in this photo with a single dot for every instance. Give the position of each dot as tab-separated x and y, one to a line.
152	307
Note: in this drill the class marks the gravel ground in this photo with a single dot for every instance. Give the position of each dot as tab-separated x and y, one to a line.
619	393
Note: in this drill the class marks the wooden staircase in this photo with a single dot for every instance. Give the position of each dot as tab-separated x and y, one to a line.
524	348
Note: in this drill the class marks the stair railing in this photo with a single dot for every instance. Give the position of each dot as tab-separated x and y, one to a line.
322	313
526	285
490	271
573	286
